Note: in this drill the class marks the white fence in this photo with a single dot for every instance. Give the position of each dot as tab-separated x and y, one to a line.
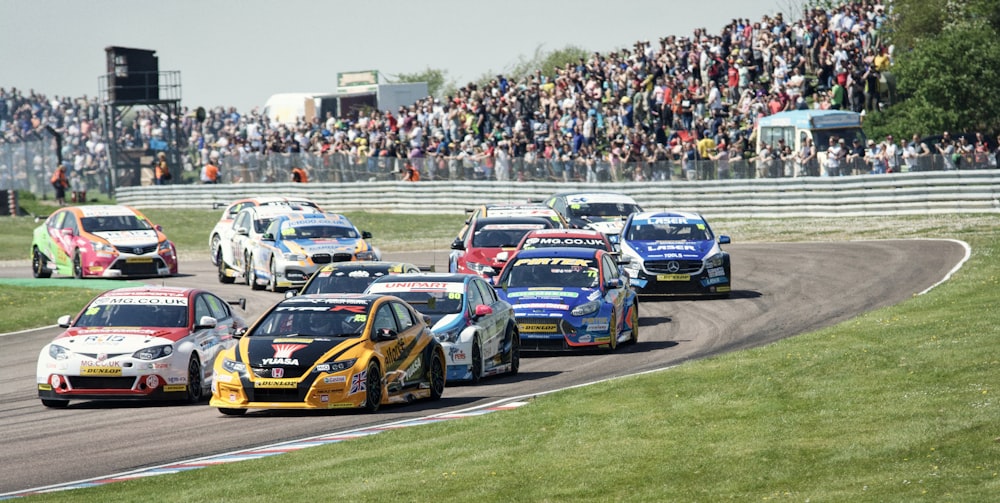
923	193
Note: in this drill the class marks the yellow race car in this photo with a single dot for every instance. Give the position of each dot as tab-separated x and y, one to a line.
329	351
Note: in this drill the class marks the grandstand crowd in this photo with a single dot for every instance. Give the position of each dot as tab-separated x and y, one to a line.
623	115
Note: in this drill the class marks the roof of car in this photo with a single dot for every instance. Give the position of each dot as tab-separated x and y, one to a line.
270	211
152	291
365	265
595	197
443	277
573	252
510	220
102	210
575	233
687	215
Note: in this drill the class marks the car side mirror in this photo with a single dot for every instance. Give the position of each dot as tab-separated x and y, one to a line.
385	334
67	232
63	321
457	244
291	293
267	237
366	235
483	310
206	322
614	283
724	240
240	332
243	231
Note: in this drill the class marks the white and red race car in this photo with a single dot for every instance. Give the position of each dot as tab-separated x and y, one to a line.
138	343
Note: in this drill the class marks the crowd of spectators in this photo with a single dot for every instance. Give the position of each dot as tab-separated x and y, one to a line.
630	114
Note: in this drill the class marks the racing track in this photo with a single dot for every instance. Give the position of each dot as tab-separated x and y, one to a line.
780	290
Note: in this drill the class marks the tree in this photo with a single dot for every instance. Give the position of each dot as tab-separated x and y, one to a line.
434	78
947	66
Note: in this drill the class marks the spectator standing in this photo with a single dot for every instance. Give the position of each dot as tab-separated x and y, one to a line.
834	154
950	157
410	173
806	158
210	172
60	183
721	158
915	154
78	183
161	174
299	175
691	161
891	155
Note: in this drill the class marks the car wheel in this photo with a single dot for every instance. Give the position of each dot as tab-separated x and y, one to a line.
272	282
55	404
195	391
477	361
77	266
613	332
436	376
635	322
214	248
233	412
373	387
515	350
251	274
223	277
38	264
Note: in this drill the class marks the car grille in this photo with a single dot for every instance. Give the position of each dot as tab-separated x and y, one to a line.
276	395
562	327
137	250
287	372
139	268
663	266
82	382
326	258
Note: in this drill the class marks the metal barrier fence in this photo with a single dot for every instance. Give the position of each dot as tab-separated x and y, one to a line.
343	168
29	165
919	193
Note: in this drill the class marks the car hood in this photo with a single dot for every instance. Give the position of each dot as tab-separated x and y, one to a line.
540	299
675	250
291	352
129	238
313	246
488	256
117	339
446	322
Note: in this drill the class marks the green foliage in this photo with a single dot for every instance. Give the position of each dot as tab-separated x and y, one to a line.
435	78
545	62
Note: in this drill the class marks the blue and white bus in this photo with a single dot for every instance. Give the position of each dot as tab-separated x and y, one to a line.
819	125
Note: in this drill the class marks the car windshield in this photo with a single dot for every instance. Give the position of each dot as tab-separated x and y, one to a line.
668	232
317	232
603	210
491	237
553	274
339	283
114	223
433	303
281	322
133	315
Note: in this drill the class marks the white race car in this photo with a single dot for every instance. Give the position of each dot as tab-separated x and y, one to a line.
138	343
232	209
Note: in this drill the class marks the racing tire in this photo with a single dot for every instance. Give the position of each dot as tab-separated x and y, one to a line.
77	266
251	274
223	277
436	376
232	412
613	332
38	264
214	249
272	282
477	361
55	404
373	388
515	351
195	392
635	323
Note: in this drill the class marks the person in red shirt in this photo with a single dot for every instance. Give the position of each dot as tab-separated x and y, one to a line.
60	183
410	173
299	175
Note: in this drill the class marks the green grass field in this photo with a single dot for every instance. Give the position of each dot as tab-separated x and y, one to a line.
895	405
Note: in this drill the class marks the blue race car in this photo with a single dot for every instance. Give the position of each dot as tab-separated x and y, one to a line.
476	329
675	253
569	298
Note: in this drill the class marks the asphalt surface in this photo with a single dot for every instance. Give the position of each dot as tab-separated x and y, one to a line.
780	290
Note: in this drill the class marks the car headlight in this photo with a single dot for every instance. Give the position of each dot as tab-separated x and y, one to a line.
233	366
715	260
366	255
586	308
154	352
165	248
293	257
480	268
102	247
57	352
633	267
449	335
337	366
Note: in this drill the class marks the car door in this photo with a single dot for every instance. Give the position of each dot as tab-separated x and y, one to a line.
614	296
397	352
66	235
492	326
235	237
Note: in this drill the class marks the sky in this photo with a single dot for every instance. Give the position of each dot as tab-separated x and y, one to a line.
239	52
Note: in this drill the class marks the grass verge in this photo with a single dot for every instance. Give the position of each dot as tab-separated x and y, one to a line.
896	405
